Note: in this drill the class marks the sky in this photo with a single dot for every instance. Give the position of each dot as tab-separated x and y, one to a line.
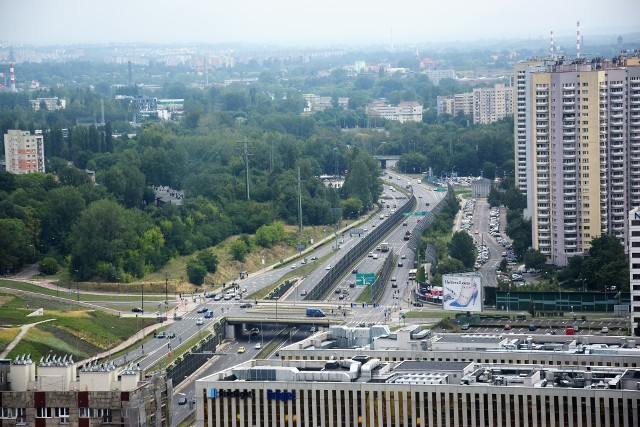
305	22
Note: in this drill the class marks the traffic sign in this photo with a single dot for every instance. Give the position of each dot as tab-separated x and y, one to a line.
365	278
419	213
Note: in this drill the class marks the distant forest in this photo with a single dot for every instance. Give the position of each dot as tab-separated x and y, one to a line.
113	231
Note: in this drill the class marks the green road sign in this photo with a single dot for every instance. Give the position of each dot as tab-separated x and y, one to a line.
419	213
365	278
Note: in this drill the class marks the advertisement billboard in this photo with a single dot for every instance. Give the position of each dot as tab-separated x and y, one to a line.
462	292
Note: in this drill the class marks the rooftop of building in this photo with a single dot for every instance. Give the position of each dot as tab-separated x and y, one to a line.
363	369
381	338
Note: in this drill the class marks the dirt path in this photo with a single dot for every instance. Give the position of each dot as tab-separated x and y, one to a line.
23	330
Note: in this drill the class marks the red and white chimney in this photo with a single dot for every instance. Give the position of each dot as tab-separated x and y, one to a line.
13	78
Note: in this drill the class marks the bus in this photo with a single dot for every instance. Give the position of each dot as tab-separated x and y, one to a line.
413	273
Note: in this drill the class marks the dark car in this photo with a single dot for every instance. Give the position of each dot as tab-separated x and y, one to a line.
137	310
182	401
202	310
246	305
533	327
161	335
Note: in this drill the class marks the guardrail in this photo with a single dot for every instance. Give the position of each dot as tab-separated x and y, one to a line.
346	263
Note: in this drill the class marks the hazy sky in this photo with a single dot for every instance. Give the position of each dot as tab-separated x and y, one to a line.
302	22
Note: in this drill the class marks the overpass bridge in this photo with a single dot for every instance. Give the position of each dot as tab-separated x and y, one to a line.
383	159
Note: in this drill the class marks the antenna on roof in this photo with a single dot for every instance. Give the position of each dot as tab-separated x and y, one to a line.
551	46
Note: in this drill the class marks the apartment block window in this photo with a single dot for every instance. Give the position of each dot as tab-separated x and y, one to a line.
63	414
584	84
585	168
44	412
587	235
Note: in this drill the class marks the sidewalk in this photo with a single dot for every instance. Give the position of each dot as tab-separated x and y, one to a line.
23	330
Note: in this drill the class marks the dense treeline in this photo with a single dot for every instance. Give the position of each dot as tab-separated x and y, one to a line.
114	231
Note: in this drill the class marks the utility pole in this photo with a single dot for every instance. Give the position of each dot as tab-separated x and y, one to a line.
299	204
142	295
245	154
166	290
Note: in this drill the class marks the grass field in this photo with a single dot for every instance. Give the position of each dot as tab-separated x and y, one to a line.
73	330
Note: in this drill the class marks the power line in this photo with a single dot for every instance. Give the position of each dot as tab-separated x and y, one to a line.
245	154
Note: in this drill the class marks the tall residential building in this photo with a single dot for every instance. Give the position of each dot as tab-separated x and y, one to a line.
485	105
491	104
582	148
522	118
634	269
23	152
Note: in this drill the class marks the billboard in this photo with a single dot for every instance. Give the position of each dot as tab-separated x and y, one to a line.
462	292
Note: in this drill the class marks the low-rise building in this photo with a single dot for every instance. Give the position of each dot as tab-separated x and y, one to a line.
403	112
50	104
56	391
367	391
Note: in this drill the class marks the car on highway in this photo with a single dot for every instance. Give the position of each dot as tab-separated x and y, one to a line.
313	258
217	298
465	327
400	264
182	401
200	321
352	284
404	256
137	310
293	266
304	292
328	267
258	346
255	331
313	329
161	335
246	305
532	327
202	310
241	349
393	279
354	271
604	330
507	327
365	229
404	223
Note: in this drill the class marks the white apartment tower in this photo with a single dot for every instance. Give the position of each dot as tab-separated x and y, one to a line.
23	152
634	269
577	148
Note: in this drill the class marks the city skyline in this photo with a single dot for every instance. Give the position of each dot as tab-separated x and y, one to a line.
287	22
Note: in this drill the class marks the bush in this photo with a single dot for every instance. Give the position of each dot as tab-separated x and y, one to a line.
49	266
196	271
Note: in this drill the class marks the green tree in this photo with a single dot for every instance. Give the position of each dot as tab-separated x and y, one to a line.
15	248
450	265
239	250
196	272
49	266
533	258
462	248
209	260
268	236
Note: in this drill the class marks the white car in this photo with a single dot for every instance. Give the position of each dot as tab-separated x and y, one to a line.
329	267
258	346
293	266
200	321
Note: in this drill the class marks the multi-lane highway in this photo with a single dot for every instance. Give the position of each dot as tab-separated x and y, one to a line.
178	333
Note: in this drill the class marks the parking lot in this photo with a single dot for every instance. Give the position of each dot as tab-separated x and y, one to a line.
547	325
